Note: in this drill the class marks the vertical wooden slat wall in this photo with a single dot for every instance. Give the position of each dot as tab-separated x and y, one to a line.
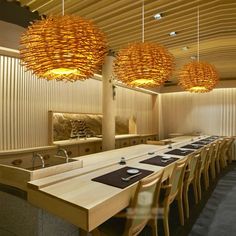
26	100
209	113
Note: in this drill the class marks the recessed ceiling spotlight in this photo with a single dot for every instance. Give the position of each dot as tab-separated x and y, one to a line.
193	57
185	48
158	16
173	33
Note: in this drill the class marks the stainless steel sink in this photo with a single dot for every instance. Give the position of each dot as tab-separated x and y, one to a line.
52	161
28	163
18	171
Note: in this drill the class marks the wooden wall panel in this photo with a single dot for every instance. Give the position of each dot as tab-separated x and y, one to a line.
26	100
210	113
131	102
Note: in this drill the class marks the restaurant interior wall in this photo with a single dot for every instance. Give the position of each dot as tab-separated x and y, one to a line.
209	113
26	100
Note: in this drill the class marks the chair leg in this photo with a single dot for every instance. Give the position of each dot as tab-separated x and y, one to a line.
225	160
222	164
186	203
229	155
153	225
212	169
199	187
93	233
218	166
206	179
195	191
181	209
166	221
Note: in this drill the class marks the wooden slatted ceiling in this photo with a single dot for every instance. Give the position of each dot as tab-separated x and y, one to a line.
121	21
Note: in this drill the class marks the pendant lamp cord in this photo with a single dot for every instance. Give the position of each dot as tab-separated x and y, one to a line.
143	21
63	7
198	48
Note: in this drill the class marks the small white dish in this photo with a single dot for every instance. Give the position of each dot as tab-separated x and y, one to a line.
132	171
165	158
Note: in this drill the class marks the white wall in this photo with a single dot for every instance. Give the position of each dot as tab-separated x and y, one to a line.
26	100
209	113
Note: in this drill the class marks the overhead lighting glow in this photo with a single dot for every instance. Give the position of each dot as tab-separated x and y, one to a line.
158	16
185	48
173	33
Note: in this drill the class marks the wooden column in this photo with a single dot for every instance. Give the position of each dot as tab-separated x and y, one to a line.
108	104
155	114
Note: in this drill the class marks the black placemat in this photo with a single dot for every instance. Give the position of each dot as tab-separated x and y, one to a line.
209	139
179	152
157	161
114	178
202	142
195	146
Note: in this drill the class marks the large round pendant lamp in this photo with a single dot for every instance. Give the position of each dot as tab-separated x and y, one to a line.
198	77
143	65
66	48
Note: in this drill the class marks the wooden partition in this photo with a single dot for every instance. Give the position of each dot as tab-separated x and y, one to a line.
27	100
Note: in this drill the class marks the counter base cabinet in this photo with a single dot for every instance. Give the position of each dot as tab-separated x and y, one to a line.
98	147
134	141
86	149
151	138
90	146
19	217
123	143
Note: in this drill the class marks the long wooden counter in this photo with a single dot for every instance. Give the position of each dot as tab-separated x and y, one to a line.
75	197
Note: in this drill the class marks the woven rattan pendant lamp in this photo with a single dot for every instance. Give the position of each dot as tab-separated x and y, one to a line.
143	64
197	76
65	47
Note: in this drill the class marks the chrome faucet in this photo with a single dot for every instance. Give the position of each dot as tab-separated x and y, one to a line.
35	155
64	152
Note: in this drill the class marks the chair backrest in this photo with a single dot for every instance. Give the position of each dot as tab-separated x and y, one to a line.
222	148
144	204
193	164
229	143
177	176
216	150
204	156
223	144
210	154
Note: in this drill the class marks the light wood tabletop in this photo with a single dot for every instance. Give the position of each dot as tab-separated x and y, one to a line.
73	195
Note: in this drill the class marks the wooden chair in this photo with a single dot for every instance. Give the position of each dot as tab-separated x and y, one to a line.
218	156
173	191
229	151
226	150
142	211
214	157
203	156
222	154
208	162
191	175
